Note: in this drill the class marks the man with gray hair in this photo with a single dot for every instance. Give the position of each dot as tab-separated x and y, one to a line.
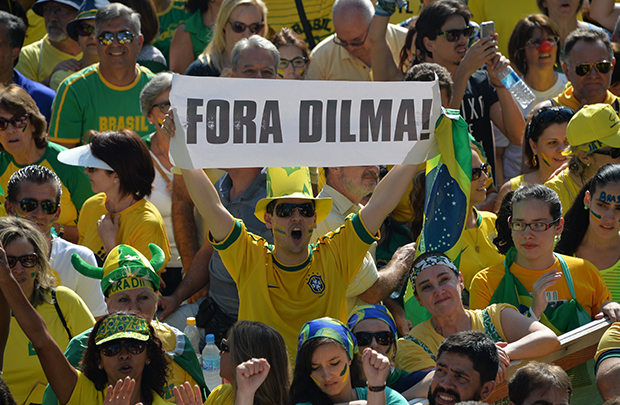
105	96
254	57
345	55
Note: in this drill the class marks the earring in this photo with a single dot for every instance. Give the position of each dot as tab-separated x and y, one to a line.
100	367
148	361
534	161
115	180
585	207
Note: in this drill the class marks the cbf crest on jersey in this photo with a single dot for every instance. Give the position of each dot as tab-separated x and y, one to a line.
316	284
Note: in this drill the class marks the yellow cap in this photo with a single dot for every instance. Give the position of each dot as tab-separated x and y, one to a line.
191	320
593	127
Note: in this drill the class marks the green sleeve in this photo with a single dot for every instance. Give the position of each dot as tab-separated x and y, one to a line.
66	124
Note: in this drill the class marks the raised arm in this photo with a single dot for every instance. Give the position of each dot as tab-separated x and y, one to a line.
506	113
60	374
386	196
527	338
606	13
384	67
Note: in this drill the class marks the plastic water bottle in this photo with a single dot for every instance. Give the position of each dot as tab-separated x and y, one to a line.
211	363
517	87
192	333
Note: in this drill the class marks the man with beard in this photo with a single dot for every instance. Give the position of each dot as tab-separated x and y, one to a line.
38	60
347	186
467	364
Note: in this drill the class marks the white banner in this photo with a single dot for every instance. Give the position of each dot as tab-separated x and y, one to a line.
234	122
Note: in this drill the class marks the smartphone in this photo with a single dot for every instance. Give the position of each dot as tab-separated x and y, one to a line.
487	29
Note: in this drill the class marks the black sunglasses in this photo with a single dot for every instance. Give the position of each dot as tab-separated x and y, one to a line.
224	346
84	30
239	27
285	210
455	35
559	114
613	152
27	261
476	172
31	204
584	68
114	347
384	338
123	37
18	121
337	41
164	107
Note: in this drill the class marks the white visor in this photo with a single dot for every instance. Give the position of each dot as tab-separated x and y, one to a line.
82	156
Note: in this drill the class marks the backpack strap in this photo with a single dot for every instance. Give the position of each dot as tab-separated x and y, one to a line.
60	315
305	23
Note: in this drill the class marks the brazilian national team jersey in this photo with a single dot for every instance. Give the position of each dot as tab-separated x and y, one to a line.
86	101
76	187
286	297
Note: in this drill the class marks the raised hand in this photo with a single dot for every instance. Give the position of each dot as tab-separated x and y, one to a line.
121	393
250	375
183	394
376	367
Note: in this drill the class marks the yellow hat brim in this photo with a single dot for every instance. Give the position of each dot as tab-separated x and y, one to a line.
323	206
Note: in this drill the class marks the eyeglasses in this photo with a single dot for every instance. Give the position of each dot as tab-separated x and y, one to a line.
603	67
353	43
297	62
31	204
285	210
455	35
84	30
384	338
18	121
536	42
114	347
552	114
239	27
27	261
123	38
534	226
224	346
476	172
164	107
613	152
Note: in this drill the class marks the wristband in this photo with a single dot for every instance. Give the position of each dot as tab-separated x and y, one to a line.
378	388
533	315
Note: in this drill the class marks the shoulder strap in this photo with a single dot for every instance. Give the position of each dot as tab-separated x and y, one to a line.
60	315
567	276
305	23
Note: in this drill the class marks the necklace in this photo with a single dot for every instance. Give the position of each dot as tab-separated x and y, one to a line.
477	246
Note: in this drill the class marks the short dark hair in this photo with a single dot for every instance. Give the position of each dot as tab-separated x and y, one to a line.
587	35
536	376
35	174
15	29
128	155
15	100
535	128
523	32
432	18
425	72
478	348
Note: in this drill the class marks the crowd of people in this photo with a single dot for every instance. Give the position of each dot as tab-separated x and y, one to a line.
310	279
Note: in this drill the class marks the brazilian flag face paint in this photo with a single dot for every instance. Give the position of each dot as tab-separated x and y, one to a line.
545	159
345	372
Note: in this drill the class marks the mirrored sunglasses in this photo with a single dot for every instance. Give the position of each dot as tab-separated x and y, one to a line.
27	261
297	62
31	204
84	30
114	347
239	27
455	35
603	67
558	114
285	210
123	37
384	338
18	121
476	172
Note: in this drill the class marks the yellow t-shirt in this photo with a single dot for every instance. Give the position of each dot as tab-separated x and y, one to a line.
417	350
286	297
86	393
590	289
473	260
22	370
609	345
611	276
517	182
36	28
567	99
38	60
139	225
223	394
566	188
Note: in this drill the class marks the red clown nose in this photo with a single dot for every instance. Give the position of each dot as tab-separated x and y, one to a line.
545	46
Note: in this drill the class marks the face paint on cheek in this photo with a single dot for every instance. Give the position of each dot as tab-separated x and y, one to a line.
545	159
345	372
281	73
161	122
33	274
279	229
318	384
25	128
302	71
595	217
310	229
388	352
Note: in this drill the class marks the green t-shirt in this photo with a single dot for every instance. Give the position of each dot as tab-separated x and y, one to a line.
86	101
169	20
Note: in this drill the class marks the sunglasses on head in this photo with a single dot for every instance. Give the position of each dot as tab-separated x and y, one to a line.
285	210
123	37
84	30
476	172
18	121
384	338
31	204
297	62
114	347
224	346
558	114
455	35
534	226
614	153
27	261
239	27
603	67
164	107
535	42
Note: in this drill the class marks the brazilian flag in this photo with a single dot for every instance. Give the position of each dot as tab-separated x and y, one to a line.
448	186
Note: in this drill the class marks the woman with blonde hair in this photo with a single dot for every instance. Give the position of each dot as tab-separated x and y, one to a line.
237	19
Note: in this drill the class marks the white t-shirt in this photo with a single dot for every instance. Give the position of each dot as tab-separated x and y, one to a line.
89	289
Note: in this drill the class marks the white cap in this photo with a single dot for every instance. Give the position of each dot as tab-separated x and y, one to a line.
82	156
